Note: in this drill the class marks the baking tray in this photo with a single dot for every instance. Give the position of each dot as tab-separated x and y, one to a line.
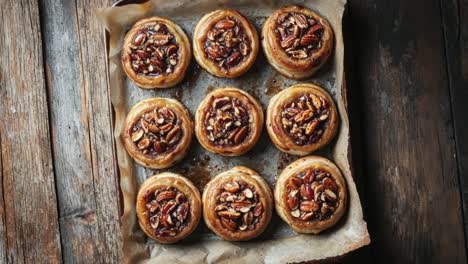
262	82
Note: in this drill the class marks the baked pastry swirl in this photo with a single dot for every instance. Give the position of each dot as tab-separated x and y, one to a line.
228	121
237	204
168	207
155	53
310	195
297	41
158	132
225	43
301	119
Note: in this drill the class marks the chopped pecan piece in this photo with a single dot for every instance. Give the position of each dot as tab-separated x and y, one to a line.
157	131
305	118
154	50
314	198
226	43
168	213
227	122
239	207
299	34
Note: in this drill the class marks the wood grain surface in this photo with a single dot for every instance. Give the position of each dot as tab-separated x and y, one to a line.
455	28
81	131
407	72
29	226
412	194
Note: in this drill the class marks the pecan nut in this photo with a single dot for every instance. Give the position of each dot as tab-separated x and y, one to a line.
227	122
299	34
238	207
305	118
167	211
312	201
157	131
227	43
154	50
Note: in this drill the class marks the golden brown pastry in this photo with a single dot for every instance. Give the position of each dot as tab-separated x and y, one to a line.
237	204
228	121
156	53
297	41
225	43
158	132
310	195
301	119
168	207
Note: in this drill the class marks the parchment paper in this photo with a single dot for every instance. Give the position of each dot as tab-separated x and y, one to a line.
279	244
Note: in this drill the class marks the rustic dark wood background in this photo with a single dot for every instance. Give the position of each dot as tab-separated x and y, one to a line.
407	71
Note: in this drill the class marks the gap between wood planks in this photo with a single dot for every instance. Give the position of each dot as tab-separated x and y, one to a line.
48	85
3	226
452	25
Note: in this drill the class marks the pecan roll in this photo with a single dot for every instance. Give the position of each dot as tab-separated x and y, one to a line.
225	43
301	119
297	41
228	121
155	53
310	195
237	204
158	132
168	207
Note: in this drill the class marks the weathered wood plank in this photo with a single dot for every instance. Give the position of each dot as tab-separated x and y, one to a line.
94	62
29	222
455	26
3	233
82	131
70	133
412	195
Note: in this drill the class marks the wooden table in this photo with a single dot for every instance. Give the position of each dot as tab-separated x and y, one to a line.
407	71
